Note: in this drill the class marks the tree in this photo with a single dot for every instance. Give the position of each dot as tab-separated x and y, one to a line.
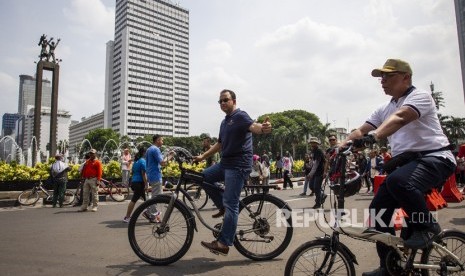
105	141
290	129
454	129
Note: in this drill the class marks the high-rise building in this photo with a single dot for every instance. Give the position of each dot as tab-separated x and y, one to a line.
27	93
9	123
64	120
460	17
79	130
147	70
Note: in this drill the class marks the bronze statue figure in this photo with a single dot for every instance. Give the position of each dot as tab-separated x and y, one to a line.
44	54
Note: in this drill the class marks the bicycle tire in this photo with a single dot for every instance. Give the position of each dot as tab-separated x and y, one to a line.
198	194
153	244
262	238
305	259
69	197
119	191
454	241
28	197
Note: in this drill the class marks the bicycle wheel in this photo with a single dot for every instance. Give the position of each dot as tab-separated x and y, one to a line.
119	191
69	197
198	194
29	197
454	241
157	244
314	258
260	233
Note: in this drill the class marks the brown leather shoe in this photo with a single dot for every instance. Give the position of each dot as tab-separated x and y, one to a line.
219	214
215	248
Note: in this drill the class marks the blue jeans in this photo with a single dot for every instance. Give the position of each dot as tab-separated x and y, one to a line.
228	199
307	185
315	183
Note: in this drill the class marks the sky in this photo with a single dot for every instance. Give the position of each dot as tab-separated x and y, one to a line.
311	55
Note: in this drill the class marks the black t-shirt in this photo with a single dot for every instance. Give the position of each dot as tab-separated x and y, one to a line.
319	156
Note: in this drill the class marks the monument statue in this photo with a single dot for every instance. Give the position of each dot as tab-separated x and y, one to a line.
43	43
44	54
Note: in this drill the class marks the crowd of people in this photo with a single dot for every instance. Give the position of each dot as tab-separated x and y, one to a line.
408	121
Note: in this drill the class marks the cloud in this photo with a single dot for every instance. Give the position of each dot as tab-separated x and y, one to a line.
218	51
90	17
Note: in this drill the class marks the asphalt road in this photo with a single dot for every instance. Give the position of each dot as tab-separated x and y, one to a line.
42	240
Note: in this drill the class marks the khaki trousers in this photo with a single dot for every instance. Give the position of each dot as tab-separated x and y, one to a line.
90	186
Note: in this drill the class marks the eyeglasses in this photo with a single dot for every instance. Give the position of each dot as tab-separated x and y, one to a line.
225	100
389	75
332	139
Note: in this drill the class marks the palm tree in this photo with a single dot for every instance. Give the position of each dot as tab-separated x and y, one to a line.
437	97
455	128
294	137
279	136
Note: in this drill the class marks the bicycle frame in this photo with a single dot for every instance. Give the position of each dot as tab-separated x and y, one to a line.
40	186
372	235
186	176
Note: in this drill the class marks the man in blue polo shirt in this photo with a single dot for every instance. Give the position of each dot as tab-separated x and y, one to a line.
235	144
155	161
421	156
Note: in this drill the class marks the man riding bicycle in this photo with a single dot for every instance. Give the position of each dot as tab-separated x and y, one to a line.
421	156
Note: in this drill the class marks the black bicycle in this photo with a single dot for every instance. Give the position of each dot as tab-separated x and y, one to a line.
329	256
166	239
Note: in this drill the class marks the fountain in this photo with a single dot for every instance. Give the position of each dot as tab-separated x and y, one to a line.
76	156
15	149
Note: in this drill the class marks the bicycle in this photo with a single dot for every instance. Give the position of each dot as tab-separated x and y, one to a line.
329	256
167	240
30	197
118	191
199	195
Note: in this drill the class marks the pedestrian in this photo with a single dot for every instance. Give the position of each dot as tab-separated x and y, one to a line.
81	191
363	168
317	171
308	163
266	171
385	154
287	175
235	144
59	174
256	174
376	167
155	161
421	159
92	173
279	166
126	161
139	183
333	144
206	145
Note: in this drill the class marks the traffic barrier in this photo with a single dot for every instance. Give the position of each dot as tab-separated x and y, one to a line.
399	219
435	201
450	192
378	181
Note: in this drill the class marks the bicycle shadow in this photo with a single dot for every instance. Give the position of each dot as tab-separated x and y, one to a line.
113	224
194	266
458	221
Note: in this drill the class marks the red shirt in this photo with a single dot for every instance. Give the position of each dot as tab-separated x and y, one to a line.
92	168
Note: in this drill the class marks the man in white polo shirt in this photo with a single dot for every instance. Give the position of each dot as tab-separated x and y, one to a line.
410	122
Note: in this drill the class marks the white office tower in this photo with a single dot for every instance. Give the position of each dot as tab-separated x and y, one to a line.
147	75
